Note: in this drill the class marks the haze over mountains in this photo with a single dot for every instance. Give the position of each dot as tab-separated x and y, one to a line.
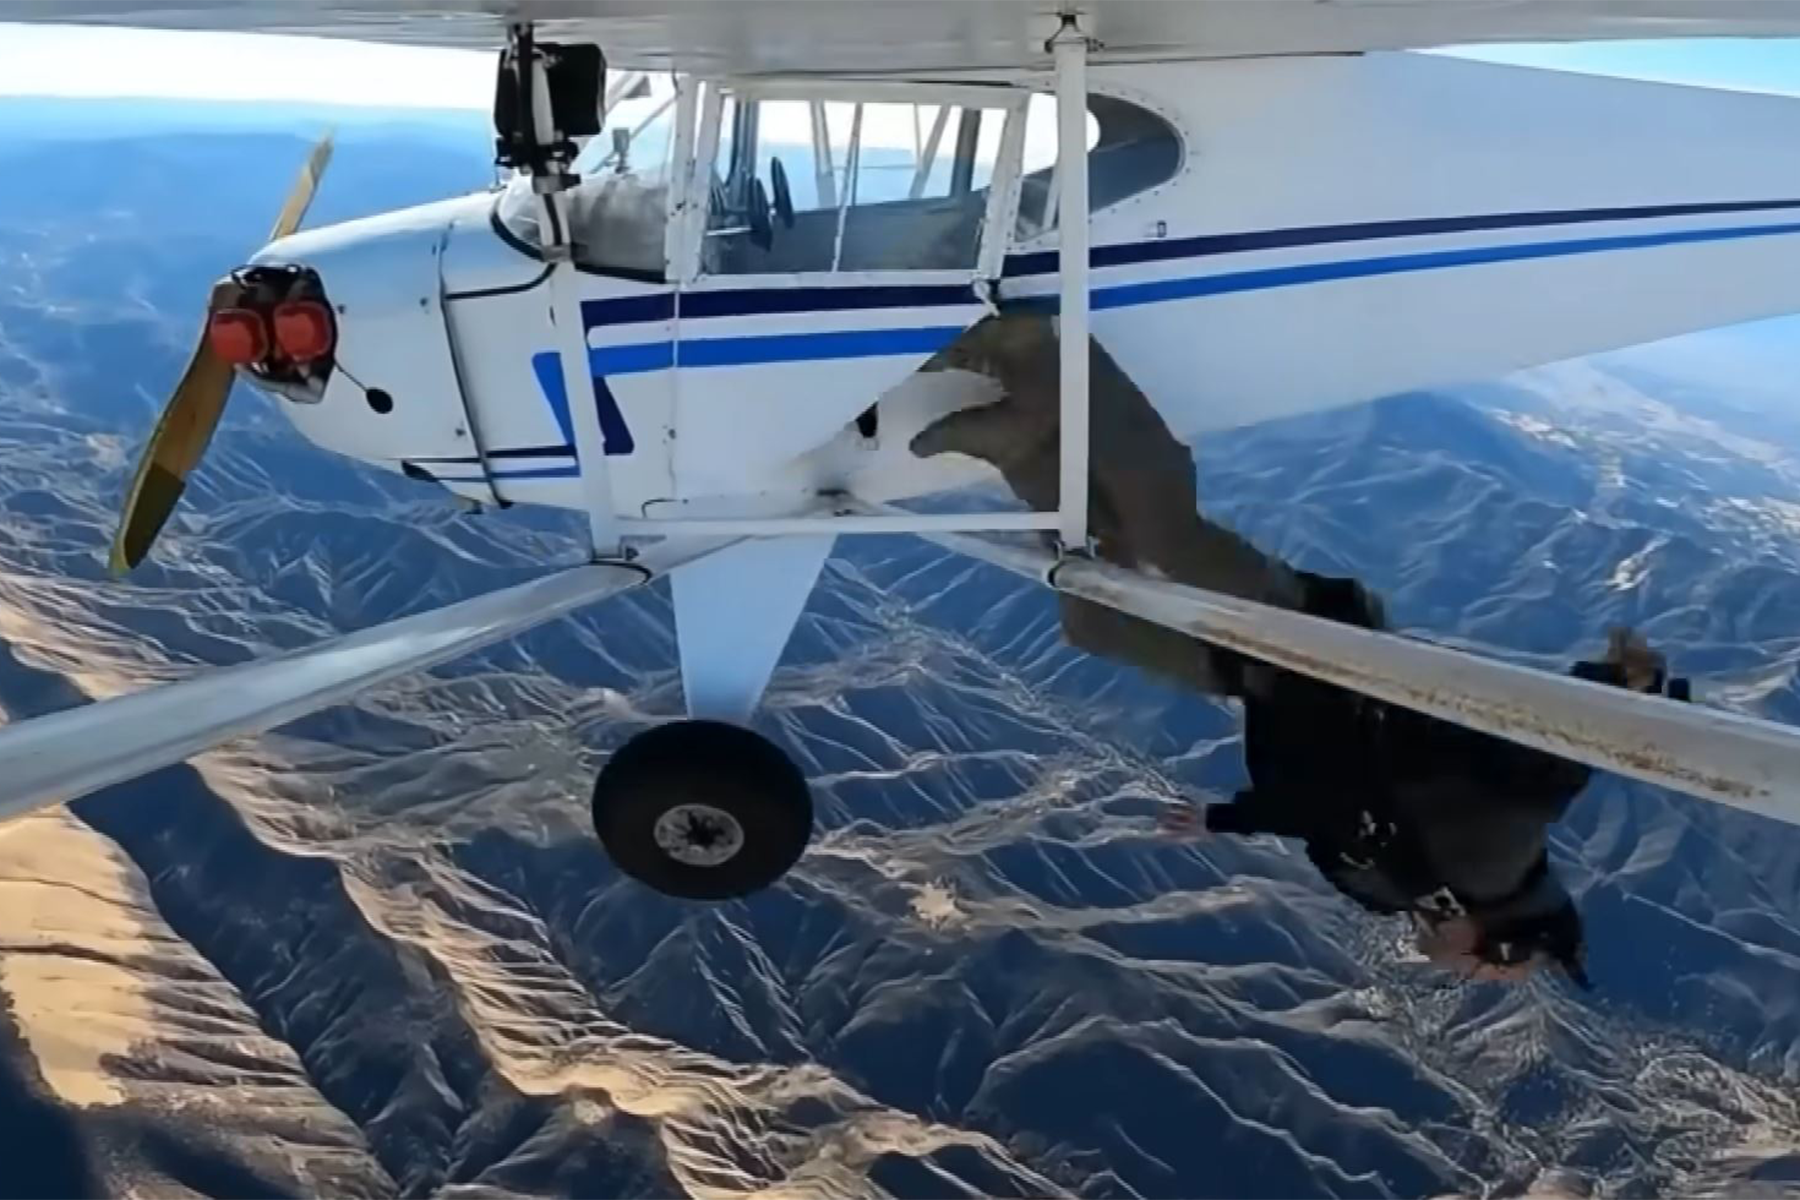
379	953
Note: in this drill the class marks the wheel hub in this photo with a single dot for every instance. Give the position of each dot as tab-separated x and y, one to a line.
699	835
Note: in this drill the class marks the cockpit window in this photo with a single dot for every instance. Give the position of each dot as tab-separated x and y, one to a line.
842	185
821	185
620	209
814	185
1130	150
638	137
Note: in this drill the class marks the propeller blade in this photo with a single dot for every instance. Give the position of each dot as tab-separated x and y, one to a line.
174	449
194	409
300	198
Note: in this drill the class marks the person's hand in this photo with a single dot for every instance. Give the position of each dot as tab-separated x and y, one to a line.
1143	507
1642	668
1184	822
1017	433
1474	970
1450	944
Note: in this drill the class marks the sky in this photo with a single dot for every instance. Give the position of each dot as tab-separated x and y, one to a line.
1740	64
114	62
35	60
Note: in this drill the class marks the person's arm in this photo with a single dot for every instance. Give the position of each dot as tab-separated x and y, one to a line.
1246	816
1143	509
1253	812
1631	663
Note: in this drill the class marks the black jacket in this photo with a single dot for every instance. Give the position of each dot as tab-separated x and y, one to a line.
1393	805
1399	810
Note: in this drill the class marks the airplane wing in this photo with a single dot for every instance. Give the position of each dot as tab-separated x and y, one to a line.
892	36
66	755
1725	757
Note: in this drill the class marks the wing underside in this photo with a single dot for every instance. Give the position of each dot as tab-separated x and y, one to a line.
887	36
68	754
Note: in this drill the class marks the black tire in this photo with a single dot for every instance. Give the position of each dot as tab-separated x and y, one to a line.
676	797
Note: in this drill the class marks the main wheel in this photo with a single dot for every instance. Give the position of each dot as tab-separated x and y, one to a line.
702	810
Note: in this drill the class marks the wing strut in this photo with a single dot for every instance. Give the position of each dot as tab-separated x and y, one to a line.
1070	47
1724	757
55	758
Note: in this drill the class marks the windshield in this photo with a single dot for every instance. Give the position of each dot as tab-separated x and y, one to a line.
848	185
619	210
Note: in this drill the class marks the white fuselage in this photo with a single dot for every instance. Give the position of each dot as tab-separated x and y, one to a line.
1328	230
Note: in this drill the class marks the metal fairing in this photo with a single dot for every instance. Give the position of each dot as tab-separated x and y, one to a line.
500	314
382	275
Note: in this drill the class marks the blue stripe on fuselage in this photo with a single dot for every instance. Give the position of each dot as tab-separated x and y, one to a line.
550	382
771	348
569	472
1044	262
764	301
1131	295
615	435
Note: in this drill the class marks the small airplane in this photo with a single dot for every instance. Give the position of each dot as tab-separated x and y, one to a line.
697	311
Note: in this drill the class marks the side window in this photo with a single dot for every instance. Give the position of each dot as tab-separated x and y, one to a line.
840	185
1130	150
638	135
618	212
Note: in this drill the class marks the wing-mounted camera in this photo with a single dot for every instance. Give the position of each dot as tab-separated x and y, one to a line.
547	95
